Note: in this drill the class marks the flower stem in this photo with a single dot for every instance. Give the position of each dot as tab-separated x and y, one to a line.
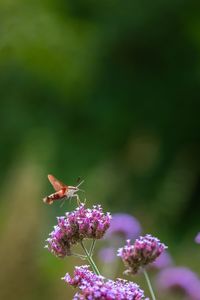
92	247
79	255
90	260
149	285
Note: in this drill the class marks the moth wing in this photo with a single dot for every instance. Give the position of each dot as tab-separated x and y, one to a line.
57	184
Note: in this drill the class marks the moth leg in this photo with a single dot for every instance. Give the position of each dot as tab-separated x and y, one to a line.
62	203
70	200
77	199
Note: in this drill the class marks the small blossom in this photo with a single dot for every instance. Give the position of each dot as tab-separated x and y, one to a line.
94	287
124	225
75	226
163	261
144	251
107	254
197	238
179	279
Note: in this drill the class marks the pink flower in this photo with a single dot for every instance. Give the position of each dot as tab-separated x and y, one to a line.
94	287
163	261
179	279
197	238
145	250
123	225
83	223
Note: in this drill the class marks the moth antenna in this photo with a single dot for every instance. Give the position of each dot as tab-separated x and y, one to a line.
78	179
80	183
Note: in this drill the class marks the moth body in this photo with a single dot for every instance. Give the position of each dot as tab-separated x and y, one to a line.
62	191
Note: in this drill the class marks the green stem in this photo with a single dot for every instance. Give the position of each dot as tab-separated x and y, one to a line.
92	247
149	285
79	255
90	260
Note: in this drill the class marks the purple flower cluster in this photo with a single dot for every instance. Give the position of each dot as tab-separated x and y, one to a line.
163	261
97	287
123	225
144	251
179	279
83	223
197	238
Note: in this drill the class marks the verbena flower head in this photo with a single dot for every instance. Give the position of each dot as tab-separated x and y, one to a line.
144	251
163	261
181	280
197	238
107	254
94	287
83	223
124	225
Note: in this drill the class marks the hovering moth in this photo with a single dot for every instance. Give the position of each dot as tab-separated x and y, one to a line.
62	191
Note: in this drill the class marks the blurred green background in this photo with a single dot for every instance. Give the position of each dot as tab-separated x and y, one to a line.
108	91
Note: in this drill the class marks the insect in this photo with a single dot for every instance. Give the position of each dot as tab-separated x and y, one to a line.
62	191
